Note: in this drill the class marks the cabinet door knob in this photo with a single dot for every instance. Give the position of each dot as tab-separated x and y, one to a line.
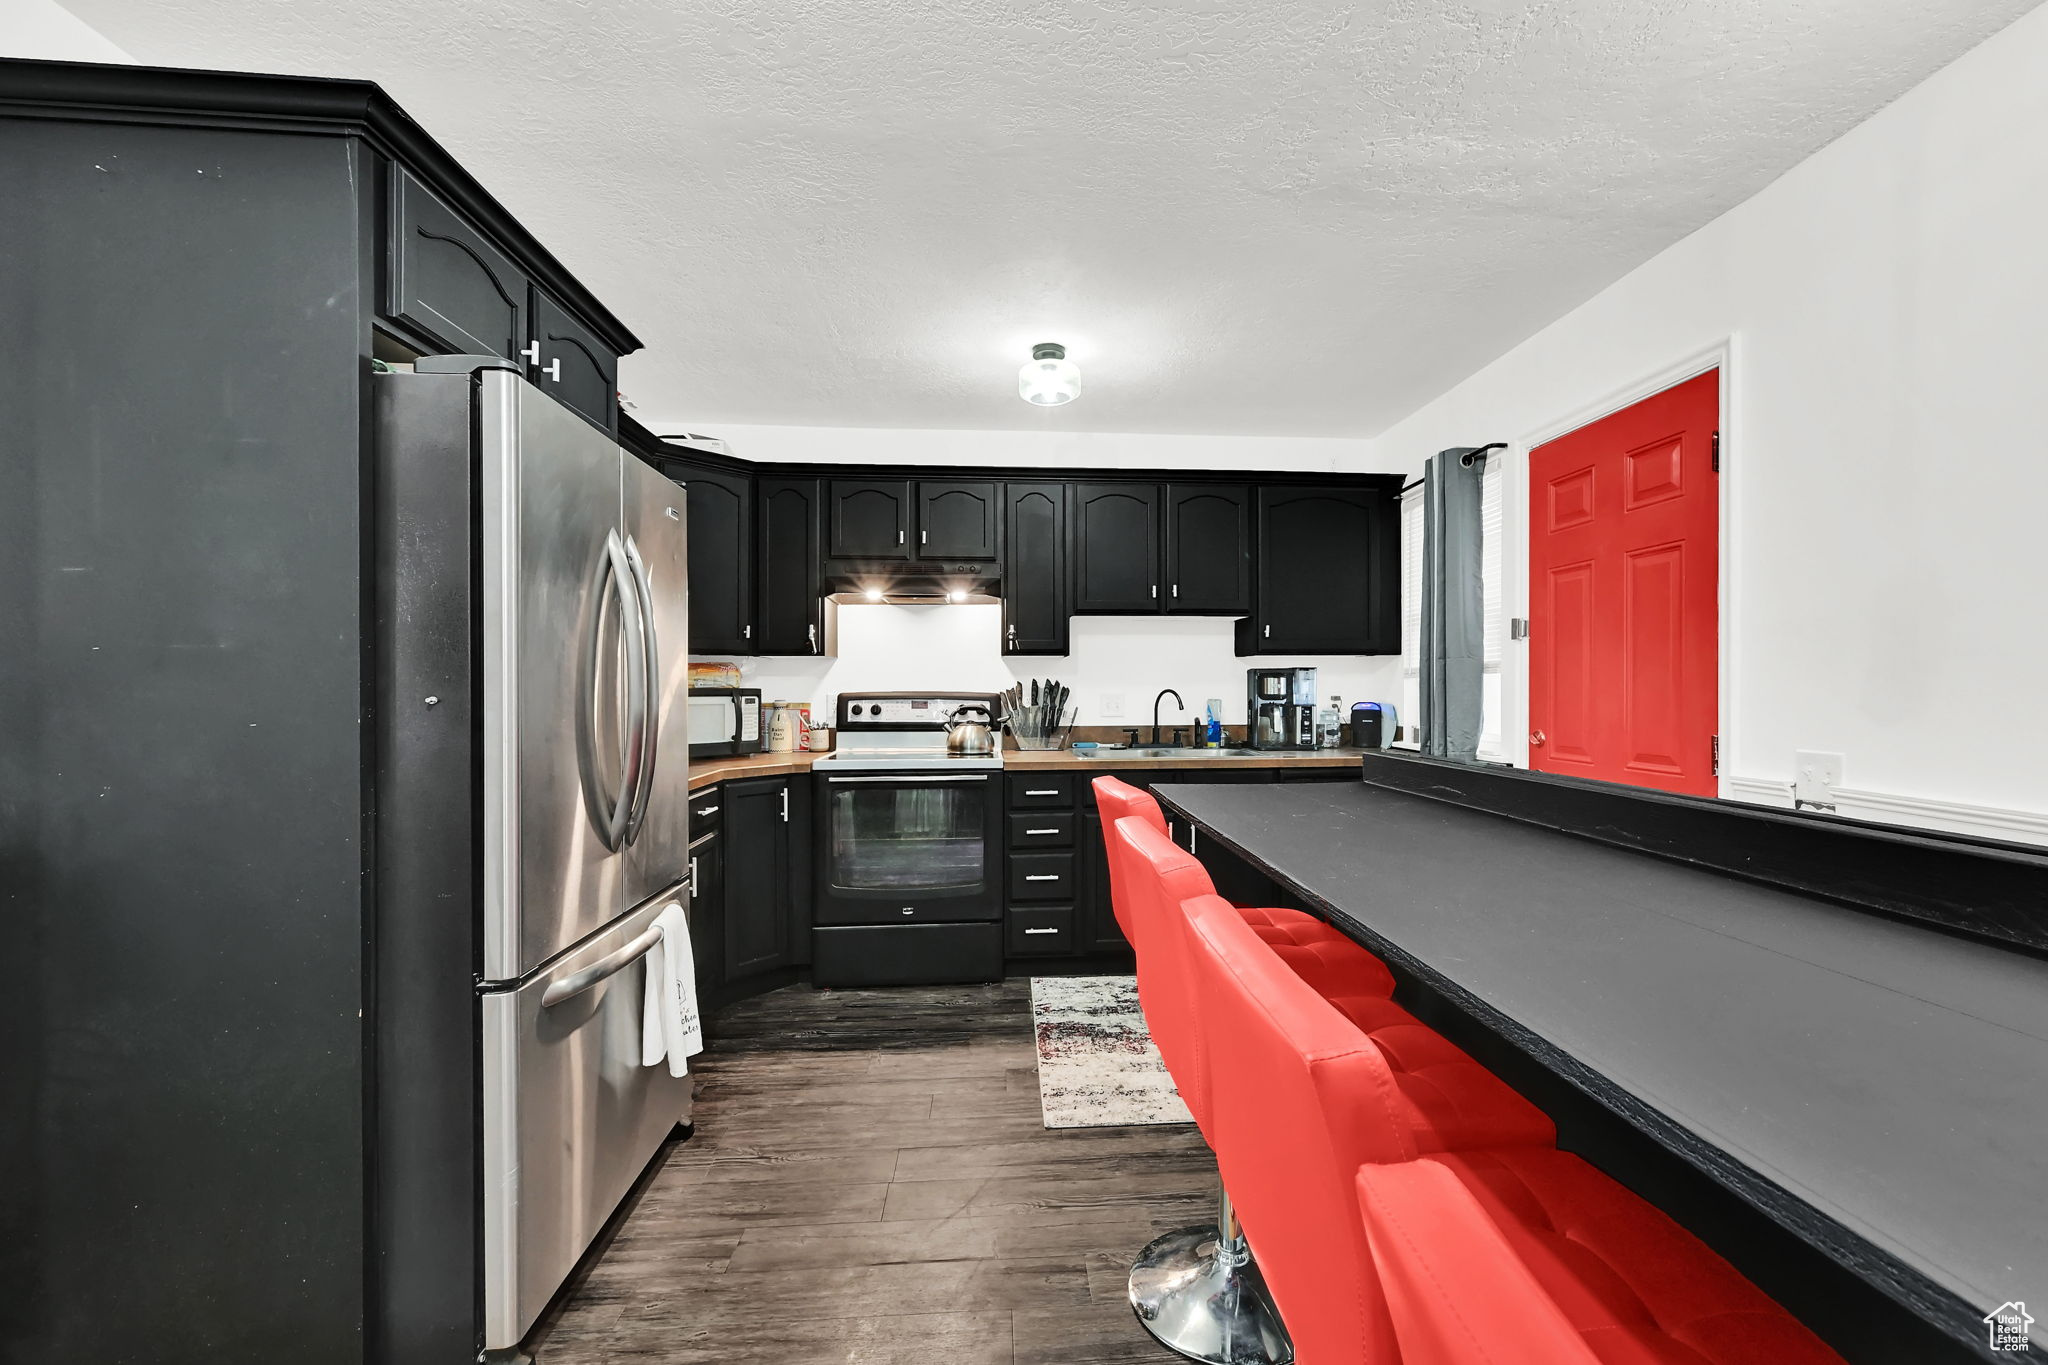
1155	592
553	370
746	632
1268	633
899	537
1176	590
924	537
814	635
531	352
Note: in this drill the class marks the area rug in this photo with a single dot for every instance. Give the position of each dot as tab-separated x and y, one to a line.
1097	1066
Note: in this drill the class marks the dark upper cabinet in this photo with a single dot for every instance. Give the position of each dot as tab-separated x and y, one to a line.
758	885
447	281
1115	558
956	520
721	513
868	519
1329	573
789	534
1208	549
572	365
1035	593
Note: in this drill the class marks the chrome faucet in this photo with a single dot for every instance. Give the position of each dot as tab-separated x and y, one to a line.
1164	693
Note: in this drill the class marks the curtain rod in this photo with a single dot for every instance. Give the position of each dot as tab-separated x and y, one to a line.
1476	453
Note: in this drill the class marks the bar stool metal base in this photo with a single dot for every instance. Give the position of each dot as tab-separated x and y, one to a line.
1202	1296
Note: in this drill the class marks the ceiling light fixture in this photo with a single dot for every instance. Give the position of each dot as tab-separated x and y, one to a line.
1049	379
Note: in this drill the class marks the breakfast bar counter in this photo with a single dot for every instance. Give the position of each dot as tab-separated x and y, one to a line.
1871	1093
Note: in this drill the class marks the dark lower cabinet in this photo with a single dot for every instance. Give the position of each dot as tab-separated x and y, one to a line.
1035	585
721	516
759	886
1095	926
789	532
868	519
1115	559
1329	573
707	911
1209	549
956	520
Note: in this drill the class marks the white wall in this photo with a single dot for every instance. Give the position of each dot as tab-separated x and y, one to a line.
45	29
1015	449
946	647
1886	302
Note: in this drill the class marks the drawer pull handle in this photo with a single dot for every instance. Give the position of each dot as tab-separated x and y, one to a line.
707	810
1041	931
1041	831
1049	791
1041	876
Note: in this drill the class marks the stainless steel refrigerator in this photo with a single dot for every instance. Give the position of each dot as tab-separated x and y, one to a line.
579	635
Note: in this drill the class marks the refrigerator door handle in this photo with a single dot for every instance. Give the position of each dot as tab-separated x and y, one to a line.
610	965
615	821
650	716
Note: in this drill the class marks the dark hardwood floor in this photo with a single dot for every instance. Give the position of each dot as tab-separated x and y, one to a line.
870	1184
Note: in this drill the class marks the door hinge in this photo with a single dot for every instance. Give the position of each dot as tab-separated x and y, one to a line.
1717	452
1717	755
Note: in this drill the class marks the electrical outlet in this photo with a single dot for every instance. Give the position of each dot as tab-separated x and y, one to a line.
1112	705
1815	778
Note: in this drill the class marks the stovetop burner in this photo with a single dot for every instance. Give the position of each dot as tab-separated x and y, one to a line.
905	731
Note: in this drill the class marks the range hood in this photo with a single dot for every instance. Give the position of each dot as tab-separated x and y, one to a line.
914	583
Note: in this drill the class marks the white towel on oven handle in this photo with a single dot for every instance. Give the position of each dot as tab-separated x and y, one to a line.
669	1023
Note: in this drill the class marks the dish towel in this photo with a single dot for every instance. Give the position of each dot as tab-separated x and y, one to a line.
669	1026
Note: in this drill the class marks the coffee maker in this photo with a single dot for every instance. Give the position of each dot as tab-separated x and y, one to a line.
1281	708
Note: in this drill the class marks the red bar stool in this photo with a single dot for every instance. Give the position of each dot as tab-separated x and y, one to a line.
1538	1254
1197	1289
1299	1096
1322	954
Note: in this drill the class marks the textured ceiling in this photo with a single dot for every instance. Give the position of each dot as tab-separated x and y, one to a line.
1266	216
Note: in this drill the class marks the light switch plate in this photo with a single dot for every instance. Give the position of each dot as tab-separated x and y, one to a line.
1112	705
1816	777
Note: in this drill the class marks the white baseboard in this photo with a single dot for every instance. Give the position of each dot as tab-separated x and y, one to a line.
1921	812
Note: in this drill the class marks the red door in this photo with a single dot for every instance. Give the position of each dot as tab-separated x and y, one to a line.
1624	595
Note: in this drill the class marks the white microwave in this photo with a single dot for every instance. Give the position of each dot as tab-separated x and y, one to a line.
724	721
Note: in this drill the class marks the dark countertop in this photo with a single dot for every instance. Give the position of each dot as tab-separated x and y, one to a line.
1889	1077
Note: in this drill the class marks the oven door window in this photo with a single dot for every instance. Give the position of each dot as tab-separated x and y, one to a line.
908	839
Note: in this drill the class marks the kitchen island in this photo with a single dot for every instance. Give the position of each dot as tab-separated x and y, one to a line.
1834	1100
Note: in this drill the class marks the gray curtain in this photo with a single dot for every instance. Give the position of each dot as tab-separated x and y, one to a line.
1453	654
